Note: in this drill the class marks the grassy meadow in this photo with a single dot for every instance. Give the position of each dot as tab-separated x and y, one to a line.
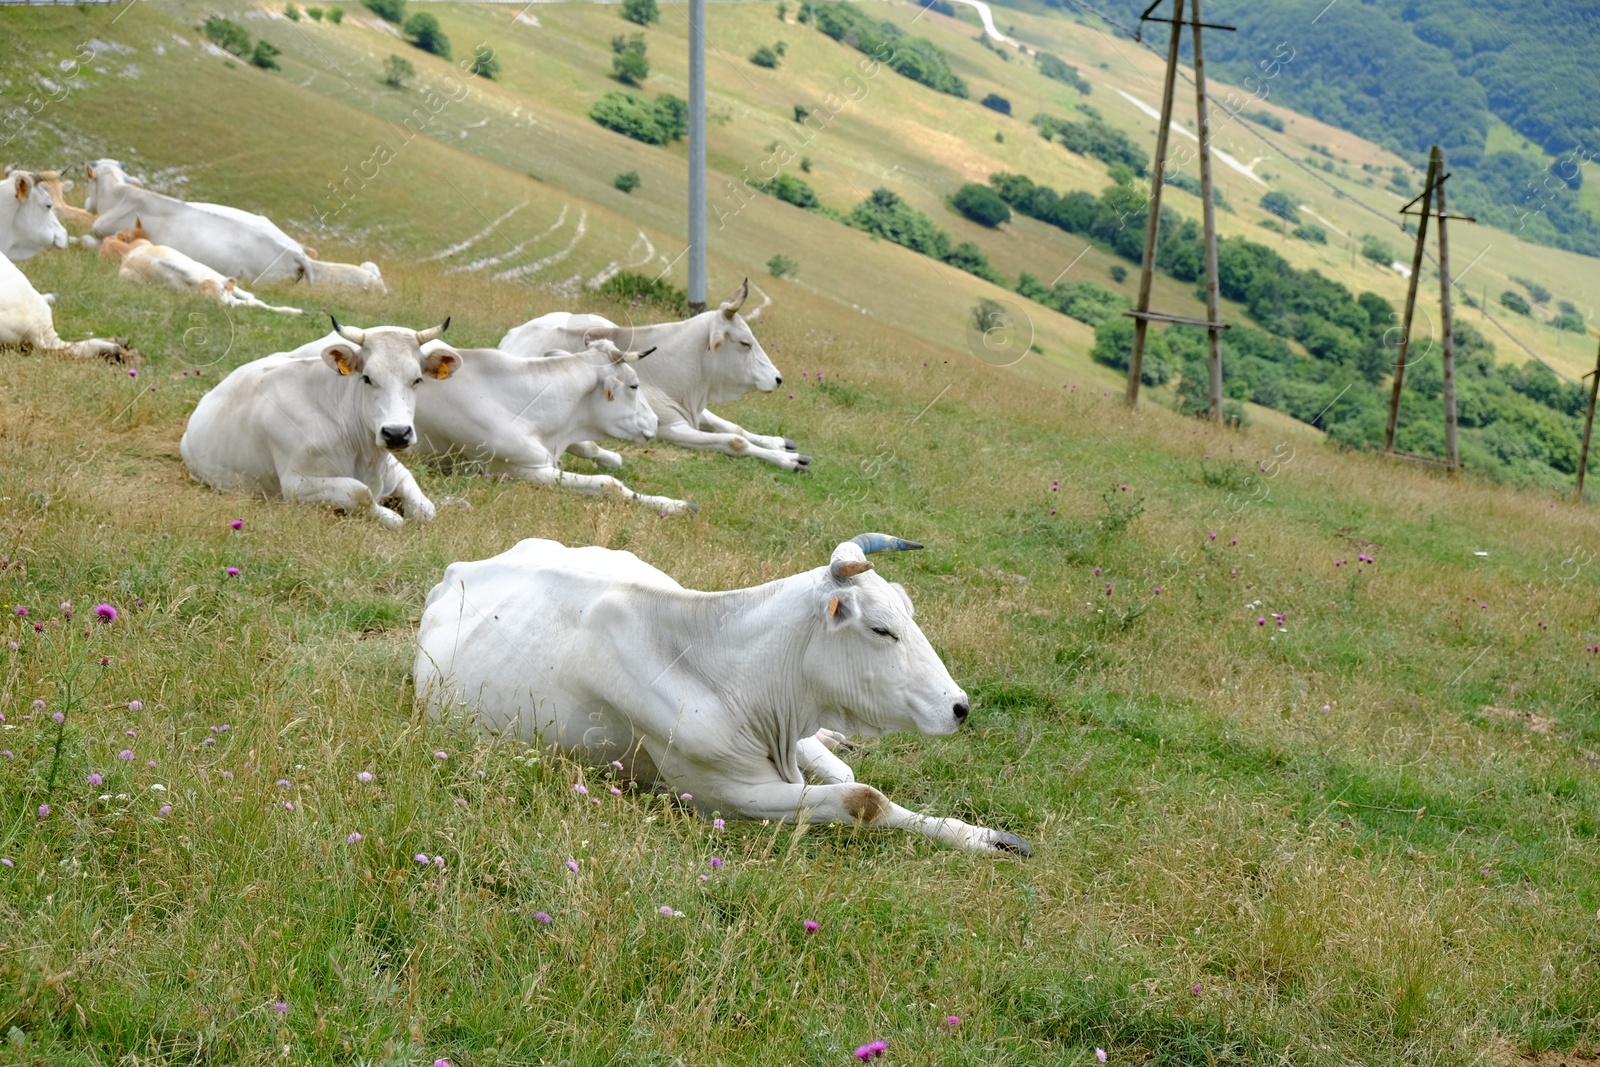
1307	744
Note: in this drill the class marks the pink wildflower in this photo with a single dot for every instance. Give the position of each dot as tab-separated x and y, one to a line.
105	613
811	926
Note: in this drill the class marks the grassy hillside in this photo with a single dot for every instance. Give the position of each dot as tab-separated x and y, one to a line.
1287	804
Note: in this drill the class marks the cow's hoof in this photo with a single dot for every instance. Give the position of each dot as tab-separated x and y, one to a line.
691	507
1004	842
801	462
790	445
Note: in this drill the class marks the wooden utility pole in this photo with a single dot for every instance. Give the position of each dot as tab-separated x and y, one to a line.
1588	423
1209	215
1447	344
1152	222
1141	314
1411	299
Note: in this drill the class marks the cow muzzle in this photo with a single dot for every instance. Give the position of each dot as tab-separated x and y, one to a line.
397	438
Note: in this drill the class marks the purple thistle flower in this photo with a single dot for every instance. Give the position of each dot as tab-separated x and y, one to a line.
438	861
1262	621
22	612
666	910
59	717
580	789
952	1020
105	613
44	809
422	858
282	783
231	572
615	791
811	926
135	705
38	705
871	1050
685	796
94	778
364	776
572	865
1100	1054
288	805
718	824
441	754
354	838
164	810
542	917
7	861
716	863
281	1008
237	524
125	754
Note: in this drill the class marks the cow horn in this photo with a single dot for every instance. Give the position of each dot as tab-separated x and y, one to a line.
433	333
640	355
349	333
730	307
877	542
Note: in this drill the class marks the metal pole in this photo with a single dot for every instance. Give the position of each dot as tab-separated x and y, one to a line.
1148	265
1446	337
1588	424
1411	300
1208	214
697	156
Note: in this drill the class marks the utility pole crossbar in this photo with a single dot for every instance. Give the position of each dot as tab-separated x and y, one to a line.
1181	320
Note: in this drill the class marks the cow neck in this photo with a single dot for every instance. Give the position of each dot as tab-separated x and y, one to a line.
750	651
338	404
681	375
573	380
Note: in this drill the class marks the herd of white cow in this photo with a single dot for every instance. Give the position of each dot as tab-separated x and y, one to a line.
736	702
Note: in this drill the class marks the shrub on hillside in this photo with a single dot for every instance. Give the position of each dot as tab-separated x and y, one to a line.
390	10
801	113
790	190
1570	321
1264	118
1081	299
1282	206
764	57
658	121
315	13
642	12
629	66
781	266
1118	273
630	287
291	12
996	102
1513	300
227	35
1113	346
1538	293
1052	67
266	55
1094	138
397	70
981	204
336	15
916	58
422	30
1377	251
627	181
1310	231
484	63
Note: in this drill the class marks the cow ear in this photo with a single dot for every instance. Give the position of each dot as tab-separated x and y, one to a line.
24	187
718	335
343	358
441	362
841	605
613	386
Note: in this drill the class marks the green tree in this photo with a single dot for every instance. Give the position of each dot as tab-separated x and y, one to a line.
629	66
1377	251
1282	206
423	30
227	35
291	12
397	70
781	266
484	63
336	15
266	55
315	13
1513	300
642	12
627	181
981	204
764	57
390	10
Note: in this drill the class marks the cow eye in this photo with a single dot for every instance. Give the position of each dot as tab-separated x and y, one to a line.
416	383
366	379
633	387
745	343
885	632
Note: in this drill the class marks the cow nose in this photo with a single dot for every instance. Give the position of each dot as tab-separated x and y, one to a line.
961	710
780	379
396	436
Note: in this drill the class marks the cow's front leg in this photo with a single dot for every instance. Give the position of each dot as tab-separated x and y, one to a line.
400	484
601	485
862	804
718	424
345	494
589	450
820	765
731	444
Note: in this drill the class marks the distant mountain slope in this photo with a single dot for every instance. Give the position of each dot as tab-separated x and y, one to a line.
1409	74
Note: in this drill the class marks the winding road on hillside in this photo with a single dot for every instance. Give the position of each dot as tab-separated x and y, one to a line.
988	24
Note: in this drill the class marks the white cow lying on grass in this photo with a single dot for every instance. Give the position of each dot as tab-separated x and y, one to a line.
519	415
322	427
711	358
26	322
28	222
732	698
239	244
159	265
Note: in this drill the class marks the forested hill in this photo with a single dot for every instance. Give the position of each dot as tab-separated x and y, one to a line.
1507	87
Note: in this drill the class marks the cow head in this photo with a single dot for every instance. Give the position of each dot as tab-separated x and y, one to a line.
102	175
384	366
867	661
33	225
735	362
616	404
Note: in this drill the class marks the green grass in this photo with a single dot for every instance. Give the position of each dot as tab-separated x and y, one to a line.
1314	844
